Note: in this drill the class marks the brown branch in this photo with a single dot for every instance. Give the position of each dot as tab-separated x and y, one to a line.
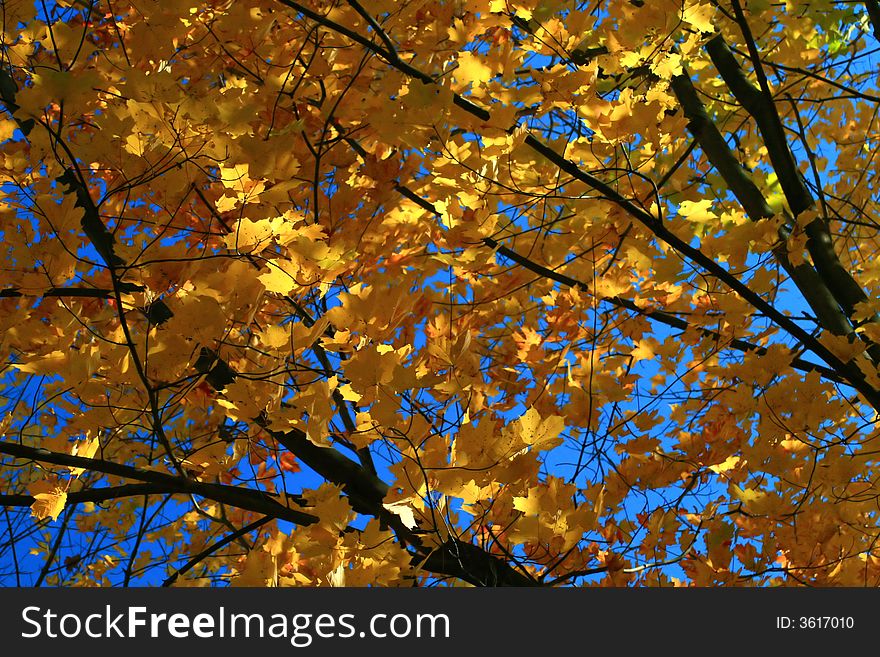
717	151
366	491
242	498
389	46
478	568
760	106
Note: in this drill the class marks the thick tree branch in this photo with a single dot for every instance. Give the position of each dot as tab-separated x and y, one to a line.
364	489
759	104
366	492
873	8
718	152
97	495
713	144
72	292
242	498
472	564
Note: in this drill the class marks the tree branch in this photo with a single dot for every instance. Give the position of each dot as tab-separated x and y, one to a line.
713	144
242	498
97	495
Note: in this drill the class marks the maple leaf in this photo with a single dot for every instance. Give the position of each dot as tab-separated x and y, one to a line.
49	499
540	433
404	511
699	16
471	68
85	449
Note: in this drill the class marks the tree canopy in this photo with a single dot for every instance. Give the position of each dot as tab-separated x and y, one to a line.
440	293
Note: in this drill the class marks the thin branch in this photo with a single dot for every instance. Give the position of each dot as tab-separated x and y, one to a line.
211	549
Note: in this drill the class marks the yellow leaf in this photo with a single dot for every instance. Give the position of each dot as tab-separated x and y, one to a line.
370	367
250	236
698	211
51	363
472	69
747	496
531	504
543	434
425	97
842	347
234	177
729	464
278	279
700	17
866	310
85	449
404	511
7	127
200	317
275	336
668	66
49	500
336	577
645	349
348	393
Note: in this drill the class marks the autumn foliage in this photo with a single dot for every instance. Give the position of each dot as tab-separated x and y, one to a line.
440	292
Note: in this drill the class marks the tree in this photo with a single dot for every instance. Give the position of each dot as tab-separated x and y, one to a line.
467	292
